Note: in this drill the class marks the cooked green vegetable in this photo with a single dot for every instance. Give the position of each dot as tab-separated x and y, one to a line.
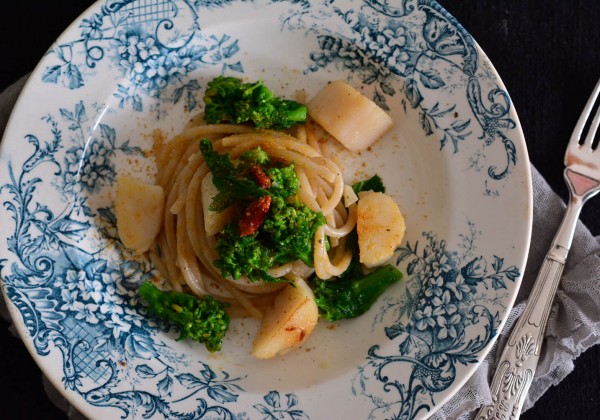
243	255
233	183
289	227
228	100
286	235
203	320
257	156
284	182
374	183
351	297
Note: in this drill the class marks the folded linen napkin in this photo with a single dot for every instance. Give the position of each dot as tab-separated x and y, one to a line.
574	323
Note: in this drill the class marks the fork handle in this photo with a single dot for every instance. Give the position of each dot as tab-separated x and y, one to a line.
517	365
518	362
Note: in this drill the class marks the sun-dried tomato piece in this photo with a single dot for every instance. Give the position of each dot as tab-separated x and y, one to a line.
254	216
262	178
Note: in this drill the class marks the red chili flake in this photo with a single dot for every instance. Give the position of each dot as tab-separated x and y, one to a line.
254	216
301	332
262	178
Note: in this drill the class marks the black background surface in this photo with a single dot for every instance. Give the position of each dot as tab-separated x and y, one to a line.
546	52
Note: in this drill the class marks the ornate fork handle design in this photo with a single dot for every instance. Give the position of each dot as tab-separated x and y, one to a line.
519	359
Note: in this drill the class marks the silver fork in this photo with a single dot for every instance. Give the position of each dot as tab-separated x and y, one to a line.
517	365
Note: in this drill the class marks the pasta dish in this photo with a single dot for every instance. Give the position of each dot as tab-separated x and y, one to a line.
255	217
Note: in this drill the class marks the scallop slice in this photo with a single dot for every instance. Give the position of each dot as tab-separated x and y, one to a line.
139	209
380	227
349	116
287	323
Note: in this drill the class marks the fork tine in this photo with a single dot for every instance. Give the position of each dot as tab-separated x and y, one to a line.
576	136
589	138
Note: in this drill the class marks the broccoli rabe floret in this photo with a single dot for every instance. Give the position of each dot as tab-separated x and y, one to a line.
203	320
230	182
229	100
351	297
375	183
243	255
284	181
287	234
288	229
291	228
257	156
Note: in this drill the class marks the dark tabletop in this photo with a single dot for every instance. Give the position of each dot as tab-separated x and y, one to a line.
546	52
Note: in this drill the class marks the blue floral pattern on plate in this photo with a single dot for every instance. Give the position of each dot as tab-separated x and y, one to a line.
73	285
141	39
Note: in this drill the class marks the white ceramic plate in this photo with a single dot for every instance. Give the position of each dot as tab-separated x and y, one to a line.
456	163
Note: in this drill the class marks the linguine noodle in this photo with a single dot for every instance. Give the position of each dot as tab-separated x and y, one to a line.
184	253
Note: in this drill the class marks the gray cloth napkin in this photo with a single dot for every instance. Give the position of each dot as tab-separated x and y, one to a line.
574	323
